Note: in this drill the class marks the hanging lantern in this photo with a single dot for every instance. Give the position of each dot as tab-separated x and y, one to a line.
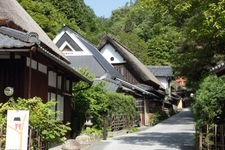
8	91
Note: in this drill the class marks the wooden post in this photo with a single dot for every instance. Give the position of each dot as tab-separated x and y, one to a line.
39	142
0	138
200	140
30	140
222	137
207	133
215	135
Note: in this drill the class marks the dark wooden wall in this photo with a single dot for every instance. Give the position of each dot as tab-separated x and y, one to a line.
39	84
127	73
11	74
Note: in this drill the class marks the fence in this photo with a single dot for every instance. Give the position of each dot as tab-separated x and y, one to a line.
118	122
35	141
1	137
212	138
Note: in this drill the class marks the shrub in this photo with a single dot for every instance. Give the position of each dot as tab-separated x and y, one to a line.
92	131
40	119
154	118
209	102
101	104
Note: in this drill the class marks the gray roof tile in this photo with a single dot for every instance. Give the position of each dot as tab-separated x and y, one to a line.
88	62
10	42
161	71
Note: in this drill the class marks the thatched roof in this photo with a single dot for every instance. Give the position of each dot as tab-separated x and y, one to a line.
12	11
145	75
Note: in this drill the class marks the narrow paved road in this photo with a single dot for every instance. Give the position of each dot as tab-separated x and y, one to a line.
175	133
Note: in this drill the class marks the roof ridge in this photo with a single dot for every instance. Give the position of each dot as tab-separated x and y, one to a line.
30	37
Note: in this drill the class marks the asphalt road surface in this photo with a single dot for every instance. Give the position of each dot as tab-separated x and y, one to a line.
175	133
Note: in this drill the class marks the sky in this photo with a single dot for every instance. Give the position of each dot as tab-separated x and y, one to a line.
104	8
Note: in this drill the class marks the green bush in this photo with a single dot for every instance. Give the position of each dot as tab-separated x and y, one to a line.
154	118
99	103
209	103
92	131
133	129
41	118
121	104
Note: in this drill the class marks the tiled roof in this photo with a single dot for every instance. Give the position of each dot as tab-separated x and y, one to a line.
88	62
10	42
161	71
11	38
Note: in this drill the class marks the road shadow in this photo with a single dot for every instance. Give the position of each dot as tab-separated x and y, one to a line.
183	141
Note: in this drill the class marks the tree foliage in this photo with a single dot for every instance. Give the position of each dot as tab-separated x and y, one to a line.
209	103
48	16
187	35
203	46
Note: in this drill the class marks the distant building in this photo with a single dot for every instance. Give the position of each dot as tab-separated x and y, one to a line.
134	73
219	69
164	74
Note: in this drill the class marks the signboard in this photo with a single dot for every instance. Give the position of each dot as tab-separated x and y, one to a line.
17	130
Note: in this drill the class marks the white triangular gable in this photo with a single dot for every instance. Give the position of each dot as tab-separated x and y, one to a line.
74	52
111	55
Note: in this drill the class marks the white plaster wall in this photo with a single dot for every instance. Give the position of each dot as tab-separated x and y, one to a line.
108	51
79	43
163	81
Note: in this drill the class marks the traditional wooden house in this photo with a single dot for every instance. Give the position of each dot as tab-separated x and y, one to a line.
83	54
135	73
30	62
164	74
219	69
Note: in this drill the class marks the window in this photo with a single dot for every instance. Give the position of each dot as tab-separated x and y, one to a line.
51	97
59	82
33	63
42	68
140	105
112	58
60	106
52	79
67	85
67	49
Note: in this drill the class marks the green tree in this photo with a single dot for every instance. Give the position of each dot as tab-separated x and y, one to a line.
50	19
201	23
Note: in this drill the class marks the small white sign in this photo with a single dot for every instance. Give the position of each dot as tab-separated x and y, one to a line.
17	129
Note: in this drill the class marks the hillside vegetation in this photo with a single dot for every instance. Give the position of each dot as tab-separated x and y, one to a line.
187	35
